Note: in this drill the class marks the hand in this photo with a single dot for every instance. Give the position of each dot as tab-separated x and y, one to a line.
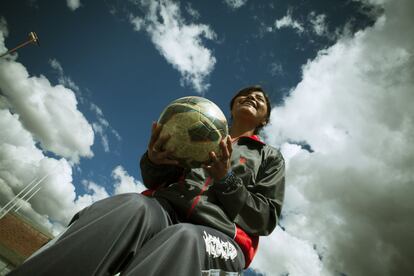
219	167
156	152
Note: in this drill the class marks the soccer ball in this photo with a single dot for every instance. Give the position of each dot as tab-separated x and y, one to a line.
196	126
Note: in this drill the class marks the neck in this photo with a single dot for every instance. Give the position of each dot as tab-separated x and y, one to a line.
238	130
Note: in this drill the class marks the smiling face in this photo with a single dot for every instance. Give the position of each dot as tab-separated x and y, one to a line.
251	107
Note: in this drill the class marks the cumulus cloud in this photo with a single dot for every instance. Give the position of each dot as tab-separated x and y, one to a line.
97	192
3	34
351	197
37	117
124	183
137	22
287	21
73	4
101	126
289	256
235	4
49	112
22	163
180	43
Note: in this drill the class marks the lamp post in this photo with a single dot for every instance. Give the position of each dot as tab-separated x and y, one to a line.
32	39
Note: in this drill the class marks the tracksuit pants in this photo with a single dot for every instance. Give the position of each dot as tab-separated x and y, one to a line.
132	234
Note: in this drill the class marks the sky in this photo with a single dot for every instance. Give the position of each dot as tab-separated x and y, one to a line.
76	112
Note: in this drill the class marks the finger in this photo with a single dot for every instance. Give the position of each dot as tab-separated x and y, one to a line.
156	129
206	167
163	153
159	145
168	154
224	151
153	126
163	139
165	157
229	145
213	157
170	162
156	141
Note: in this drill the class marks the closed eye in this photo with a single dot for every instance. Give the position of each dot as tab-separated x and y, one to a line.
260	99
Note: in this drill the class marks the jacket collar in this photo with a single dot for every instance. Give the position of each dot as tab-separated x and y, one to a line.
252	137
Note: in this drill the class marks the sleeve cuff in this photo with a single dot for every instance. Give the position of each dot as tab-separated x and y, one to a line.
228	183
149	163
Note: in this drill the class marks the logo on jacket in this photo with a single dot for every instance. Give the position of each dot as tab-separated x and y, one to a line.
242	160
216	248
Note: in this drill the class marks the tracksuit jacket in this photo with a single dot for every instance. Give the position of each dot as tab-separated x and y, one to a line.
244	205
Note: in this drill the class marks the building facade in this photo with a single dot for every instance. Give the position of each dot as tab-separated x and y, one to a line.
19	238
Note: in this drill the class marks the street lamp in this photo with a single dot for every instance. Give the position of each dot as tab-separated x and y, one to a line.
32	39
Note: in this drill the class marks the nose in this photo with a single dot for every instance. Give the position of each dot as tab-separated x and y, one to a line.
250	97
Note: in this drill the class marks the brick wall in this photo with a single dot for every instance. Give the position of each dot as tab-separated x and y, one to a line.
19	238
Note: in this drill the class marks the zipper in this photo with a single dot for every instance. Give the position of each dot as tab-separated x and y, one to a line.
197	199
203	189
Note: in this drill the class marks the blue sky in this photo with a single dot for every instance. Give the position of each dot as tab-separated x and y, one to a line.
79	109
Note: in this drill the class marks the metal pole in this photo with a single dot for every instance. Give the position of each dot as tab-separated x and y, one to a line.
16	196
27	190
29	198
33	38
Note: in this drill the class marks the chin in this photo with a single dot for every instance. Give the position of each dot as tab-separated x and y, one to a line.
248	110
246	115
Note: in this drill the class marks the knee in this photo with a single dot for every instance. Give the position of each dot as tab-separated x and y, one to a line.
128	199
188	232
134	203
124	203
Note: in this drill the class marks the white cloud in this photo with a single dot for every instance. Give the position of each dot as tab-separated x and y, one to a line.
287	255
3	34
288	22
191	11
276	69
102	126
48	112
235	4
32	110
97	193
318	23
352	196
62	78
124	183
21	162
137	22
99	129
180	43
73	4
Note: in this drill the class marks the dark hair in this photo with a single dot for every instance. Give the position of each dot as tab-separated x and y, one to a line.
248	90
